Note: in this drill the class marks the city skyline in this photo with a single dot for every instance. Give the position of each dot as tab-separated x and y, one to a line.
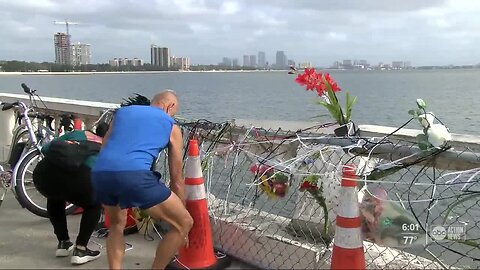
445	30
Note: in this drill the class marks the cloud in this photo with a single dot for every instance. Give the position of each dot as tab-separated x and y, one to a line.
229	8
207	30
198	28
336	36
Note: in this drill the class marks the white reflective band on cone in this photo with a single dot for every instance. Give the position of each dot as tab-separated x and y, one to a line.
193	169
348	206
195	192
348	238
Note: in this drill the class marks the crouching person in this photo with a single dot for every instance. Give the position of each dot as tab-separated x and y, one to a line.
64	175
122	177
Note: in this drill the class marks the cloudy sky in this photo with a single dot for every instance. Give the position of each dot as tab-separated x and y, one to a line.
425	32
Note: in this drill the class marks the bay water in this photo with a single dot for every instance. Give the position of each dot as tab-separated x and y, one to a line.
383	97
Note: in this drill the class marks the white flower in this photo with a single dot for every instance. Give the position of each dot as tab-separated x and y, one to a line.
438	135
426	120
421	104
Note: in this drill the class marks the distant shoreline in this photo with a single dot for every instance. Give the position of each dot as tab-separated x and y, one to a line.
135	72
212	71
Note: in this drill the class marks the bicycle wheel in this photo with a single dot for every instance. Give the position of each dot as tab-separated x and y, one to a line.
18	147
27	195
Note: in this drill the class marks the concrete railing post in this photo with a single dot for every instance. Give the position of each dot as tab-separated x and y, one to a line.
7	123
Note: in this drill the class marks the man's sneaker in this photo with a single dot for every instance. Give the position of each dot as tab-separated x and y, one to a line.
64	248
83	256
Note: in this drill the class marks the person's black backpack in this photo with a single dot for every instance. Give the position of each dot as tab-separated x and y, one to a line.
70	155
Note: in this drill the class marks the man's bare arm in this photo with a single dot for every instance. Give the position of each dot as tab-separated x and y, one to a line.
175	163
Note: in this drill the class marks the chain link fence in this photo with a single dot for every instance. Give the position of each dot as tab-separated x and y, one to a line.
273	195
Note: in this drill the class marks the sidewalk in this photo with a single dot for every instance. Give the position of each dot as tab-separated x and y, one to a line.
27	241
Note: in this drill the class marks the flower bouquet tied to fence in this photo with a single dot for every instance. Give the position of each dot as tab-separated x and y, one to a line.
274	183
387	223
327	88
432	141
435	135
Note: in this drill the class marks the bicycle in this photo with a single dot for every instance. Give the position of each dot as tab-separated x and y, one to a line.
25	166
20	139
20	181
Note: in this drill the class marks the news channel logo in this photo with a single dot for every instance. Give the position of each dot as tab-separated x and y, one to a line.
447	232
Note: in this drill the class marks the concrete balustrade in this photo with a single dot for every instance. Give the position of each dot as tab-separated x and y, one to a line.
87	111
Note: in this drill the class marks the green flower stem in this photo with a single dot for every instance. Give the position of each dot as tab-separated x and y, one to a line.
339	107
323	204
378	173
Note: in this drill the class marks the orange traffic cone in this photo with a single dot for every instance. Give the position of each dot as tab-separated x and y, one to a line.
199	254
348	250
77	124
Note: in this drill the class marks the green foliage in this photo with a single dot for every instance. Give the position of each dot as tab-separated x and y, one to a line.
333	106
422	141
312	179
349	105
280	178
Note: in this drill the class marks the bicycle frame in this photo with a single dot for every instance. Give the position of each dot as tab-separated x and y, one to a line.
33	140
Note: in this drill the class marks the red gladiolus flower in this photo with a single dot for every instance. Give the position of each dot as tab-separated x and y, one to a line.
301	79
310	71
321	89
309	78
333	84
314	81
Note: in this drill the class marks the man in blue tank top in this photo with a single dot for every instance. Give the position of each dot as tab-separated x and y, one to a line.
122	175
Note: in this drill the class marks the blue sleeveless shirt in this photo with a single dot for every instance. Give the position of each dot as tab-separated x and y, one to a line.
138	135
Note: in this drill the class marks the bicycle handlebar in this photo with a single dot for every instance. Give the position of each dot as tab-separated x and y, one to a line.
8	106
27	89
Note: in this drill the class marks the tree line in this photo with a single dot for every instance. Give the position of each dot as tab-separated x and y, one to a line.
23	66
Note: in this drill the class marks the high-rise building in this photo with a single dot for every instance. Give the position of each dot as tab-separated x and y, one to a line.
81	54
137	62
235	62
62	48
226	62
246	60
180	63
397	64
281	60
347	63
160	56
116	62
253	60
363	62
261	60
305	65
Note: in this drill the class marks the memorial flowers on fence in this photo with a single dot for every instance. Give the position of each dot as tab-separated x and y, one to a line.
432	141
327	88
434	134
273	183
311	185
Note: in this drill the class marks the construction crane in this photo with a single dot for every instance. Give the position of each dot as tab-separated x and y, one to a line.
67	23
